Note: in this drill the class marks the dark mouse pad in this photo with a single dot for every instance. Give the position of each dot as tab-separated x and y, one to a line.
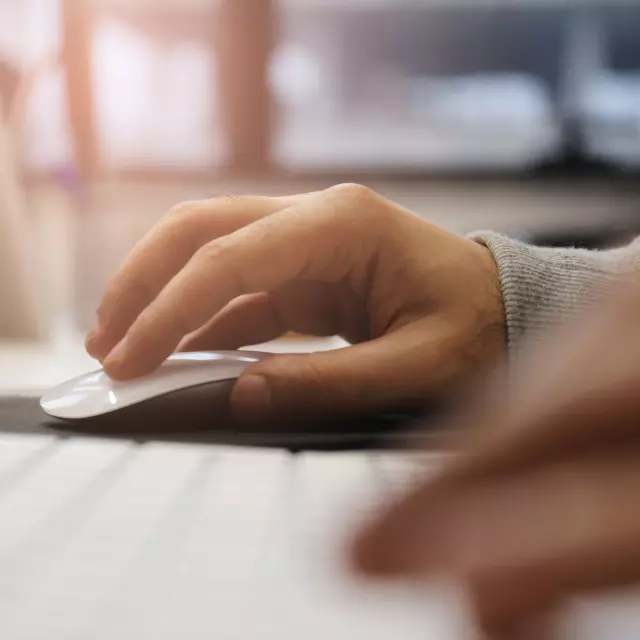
178	422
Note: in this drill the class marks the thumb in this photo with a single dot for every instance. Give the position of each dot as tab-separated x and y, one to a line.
392	372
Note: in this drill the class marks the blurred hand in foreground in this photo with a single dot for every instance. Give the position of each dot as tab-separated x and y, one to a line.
544	502
421	305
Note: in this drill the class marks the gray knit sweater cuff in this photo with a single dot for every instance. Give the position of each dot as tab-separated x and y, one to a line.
543	288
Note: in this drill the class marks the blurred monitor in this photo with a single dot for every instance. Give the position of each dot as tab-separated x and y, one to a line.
470	86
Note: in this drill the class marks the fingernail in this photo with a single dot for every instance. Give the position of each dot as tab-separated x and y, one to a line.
251	400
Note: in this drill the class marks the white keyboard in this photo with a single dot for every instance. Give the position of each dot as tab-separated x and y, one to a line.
113	540
104	540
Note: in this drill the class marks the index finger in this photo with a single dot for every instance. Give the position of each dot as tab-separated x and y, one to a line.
163	252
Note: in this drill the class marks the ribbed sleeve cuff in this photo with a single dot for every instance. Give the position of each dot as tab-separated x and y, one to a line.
543	288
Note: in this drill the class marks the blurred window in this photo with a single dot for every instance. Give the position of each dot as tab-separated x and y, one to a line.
30	38
156	89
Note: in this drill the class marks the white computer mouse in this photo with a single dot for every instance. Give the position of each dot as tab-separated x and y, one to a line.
95	394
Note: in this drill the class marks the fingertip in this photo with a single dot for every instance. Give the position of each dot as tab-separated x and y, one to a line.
115	371
101	340
372	553
117	364
362	556
91	346
509	608
93	343
96	351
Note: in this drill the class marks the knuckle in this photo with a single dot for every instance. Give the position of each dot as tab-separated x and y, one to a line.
363	206
179	219
351	192
190	208
220	255
215	251
181	210
182	225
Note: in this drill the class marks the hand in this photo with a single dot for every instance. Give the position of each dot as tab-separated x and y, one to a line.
421	305
543	503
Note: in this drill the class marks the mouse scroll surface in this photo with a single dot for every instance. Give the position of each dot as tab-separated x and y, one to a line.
95	394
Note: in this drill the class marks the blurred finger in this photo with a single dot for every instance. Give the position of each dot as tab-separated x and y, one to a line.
591	545
542	626
556	432
521	543
576	393
557	429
